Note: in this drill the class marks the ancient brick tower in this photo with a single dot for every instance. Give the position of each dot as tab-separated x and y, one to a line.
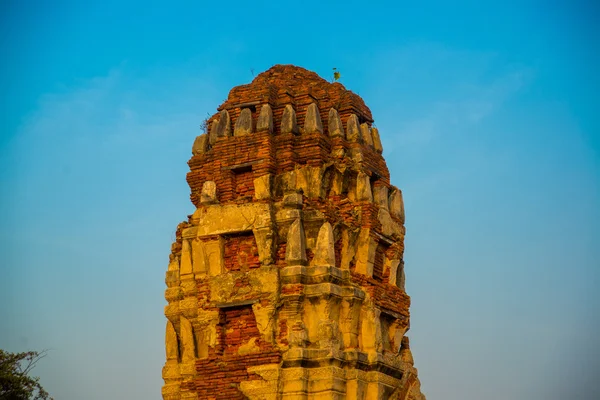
287	282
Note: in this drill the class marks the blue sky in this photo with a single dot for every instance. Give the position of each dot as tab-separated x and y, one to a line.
488	115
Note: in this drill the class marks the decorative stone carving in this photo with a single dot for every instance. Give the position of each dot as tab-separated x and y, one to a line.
199	264
222	128
212	136
214	254
370	330
380	194
265	119
188	352
288	120
363	187
264	244
295	251
365	252
335	126
324	253
365	134
376	140
312	120
200	144
396	204
352	129
186	258
394	272
171	342
243	125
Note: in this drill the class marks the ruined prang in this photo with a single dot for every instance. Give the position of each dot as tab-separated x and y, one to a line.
287	282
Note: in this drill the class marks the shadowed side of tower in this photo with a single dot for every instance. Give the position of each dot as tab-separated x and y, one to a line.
287	282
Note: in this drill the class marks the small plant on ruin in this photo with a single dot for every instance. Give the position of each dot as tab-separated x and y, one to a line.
336	74
204	124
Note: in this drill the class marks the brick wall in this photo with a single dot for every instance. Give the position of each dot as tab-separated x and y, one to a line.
243	183
241	252
219	375
378	263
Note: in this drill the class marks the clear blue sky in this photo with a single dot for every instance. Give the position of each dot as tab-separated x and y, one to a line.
489	115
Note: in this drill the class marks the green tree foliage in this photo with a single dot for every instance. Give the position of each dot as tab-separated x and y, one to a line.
15	382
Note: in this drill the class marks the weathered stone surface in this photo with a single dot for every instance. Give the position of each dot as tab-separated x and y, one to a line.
396	204
312	120
262	187
186	258
214	250
363	187
188	352
265	119
365	252
288	120
295	252
231	218
381	197
405	352
200	144
209	193
293	200
310	181
388	226
243	125
335	126
171	342
376	140
212	135
365	134
324	253
287	281
220	128
353	129
264	237
395	272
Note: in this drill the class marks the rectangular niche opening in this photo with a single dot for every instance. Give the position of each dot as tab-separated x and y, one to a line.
241	252
239	327
243	183
387	333
379	261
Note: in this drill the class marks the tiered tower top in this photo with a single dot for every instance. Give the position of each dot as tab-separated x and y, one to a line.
314	122
287	84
